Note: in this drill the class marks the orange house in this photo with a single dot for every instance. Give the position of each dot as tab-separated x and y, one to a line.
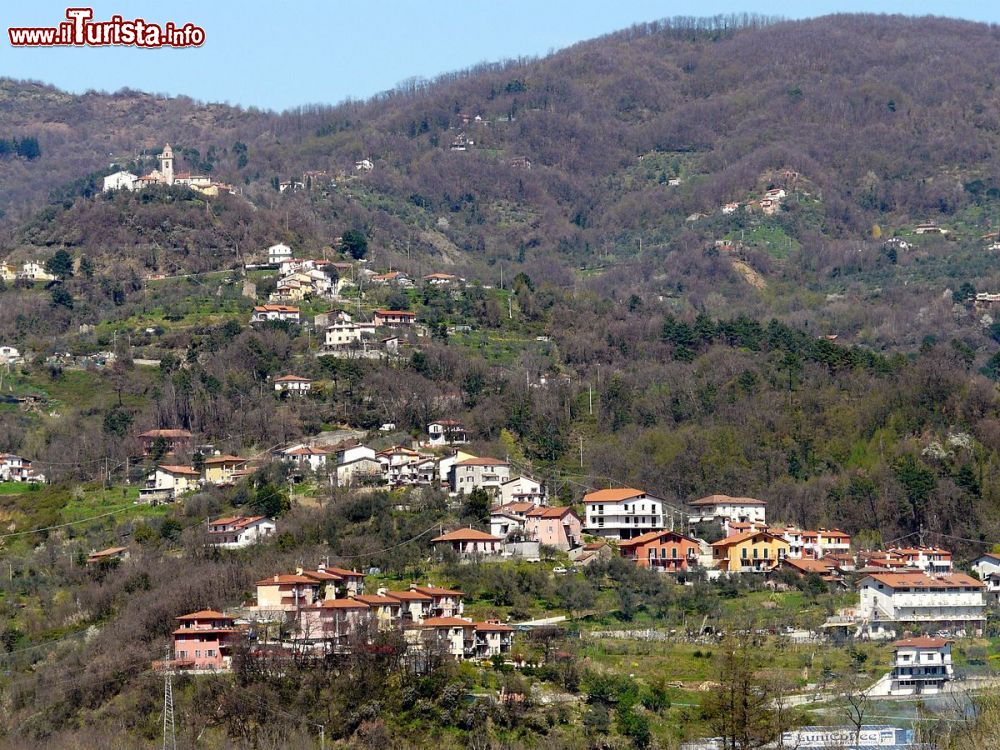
667	551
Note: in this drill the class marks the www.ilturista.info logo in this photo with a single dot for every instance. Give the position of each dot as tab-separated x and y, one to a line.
79	30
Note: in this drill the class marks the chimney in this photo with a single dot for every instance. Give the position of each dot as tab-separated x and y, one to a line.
381	591
298	570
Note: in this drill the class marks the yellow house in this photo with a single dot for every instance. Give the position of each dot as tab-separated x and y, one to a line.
749	551
220	469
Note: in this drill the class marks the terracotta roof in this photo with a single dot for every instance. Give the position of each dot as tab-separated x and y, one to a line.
495	627
305	450
171	469
612	495
404	313
484	461
550	512
742	537
321	575
204	614
919	579
375	599
344	572
409	596
275	308
284	579
652	536
921	642
466	535
447	622
237	521
808	565
107	552
435	591
726	499
292	379
225	460
340	604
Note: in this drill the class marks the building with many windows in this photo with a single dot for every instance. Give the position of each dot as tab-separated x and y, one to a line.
622	513
917	600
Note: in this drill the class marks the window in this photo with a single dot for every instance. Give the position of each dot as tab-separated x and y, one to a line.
674	553
756	553
767	553
210	652
744	553
197	654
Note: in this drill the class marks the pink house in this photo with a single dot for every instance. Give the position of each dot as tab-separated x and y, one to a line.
204	640
555	527
332	621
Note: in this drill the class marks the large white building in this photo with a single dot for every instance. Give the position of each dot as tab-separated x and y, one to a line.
239	531
953	602
724	508
920	666
622	513
120	180
987	567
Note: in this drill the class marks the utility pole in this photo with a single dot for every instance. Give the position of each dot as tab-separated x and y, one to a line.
169	732
590	398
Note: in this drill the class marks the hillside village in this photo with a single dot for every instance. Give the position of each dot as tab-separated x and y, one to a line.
573	402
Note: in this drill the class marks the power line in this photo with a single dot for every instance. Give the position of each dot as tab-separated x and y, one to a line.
68	523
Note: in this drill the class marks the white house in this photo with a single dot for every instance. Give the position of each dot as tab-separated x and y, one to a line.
344	334
286	313
505	520
522	490
470	543
306	457
927	559
954	602
473	473
278	253
724	508
169	481
622	513
35	272
9	355
239	531
987	567
16	469
363	165
446	432
120	180
920	666
293	384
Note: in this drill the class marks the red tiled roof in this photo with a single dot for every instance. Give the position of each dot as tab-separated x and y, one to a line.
409	595
344	572
447	622
404	313
435	591
921	642
284	579
373	600
171	469
225	460
495	627
340	604
466	535
204	614
614	495
275	308
652	536
742	537
919	579
541	512
237	521
292	379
